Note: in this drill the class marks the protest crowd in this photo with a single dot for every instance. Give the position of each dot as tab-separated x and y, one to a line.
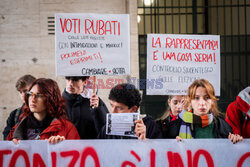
79	113
78	121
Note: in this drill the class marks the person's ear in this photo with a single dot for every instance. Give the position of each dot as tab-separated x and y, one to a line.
133	109
85	82
169	101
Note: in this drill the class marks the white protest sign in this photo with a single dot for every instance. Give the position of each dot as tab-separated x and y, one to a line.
133	152
122	124
178	60
92	44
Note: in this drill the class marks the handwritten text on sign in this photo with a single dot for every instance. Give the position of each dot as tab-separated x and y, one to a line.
178	60
92	44
105	153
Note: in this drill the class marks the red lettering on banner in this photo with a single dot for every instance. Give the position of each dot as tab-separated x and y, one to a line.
16	155
189	158
207	156
167	55
53	159
128	163
89	151
67	25
157	42
174	159
102	27
108	27
191	44
75	155
168	42
38	161
203	57
179	57
242	159
74	54
135	155
2	153
152	158
154	55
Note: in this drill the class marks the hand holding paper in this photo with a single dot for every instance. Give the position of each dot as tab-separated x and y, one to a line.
123	124
140	129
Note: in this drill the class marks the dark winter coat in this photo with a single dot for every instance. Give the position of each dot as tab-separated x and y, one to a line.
12	120
152	131
170	129
87	121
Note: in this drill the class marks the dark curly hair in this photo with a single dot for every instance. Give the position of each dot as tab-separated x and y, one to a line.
53	99
126	94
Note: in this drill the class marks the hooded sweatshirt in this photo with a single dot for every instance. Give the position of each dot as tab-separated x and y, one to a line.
238	114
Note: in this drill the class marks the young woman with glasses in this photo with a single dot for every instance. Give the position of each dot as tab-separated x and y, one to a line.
44	116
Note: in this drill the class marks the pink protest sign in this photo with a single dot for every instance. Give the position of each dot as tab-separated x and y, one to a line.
178	60
92	44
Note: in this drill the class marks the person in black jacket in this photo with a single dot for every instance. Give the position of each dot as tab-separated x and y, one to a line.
84	108
170	122
125	98
22	86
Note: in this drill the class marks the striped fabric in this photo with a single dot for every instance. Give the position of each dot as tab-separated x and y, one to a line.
188	118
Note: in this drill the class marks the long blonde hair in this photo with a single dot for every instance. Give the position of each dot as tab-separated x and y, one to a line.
210	91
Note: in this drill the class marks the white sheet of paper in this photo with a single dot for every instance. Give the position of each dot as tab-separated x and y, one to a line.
121	124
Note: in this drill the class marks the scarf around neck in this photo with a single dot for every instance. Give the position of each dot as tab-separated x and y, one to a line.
188	119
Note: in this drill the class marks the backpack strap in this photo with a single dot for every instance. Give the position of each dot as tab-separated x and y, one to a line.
18	113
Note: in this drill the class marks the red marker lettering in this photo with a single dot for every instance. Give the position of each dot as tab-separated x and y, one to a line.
18	154
38	161
89	151
74	154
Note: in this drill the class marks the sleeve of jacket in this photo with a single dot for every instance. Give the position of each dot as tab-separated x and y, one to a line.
222	128
233	117
102	133
99	115
71	131
9	124
152	129
11	134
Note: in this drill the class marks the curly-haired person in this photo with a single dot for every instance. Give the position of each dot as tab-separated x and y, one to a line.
125	98
44	116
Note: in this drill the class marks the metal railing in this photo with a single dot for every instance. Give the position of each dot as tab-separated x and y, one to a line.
228	18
